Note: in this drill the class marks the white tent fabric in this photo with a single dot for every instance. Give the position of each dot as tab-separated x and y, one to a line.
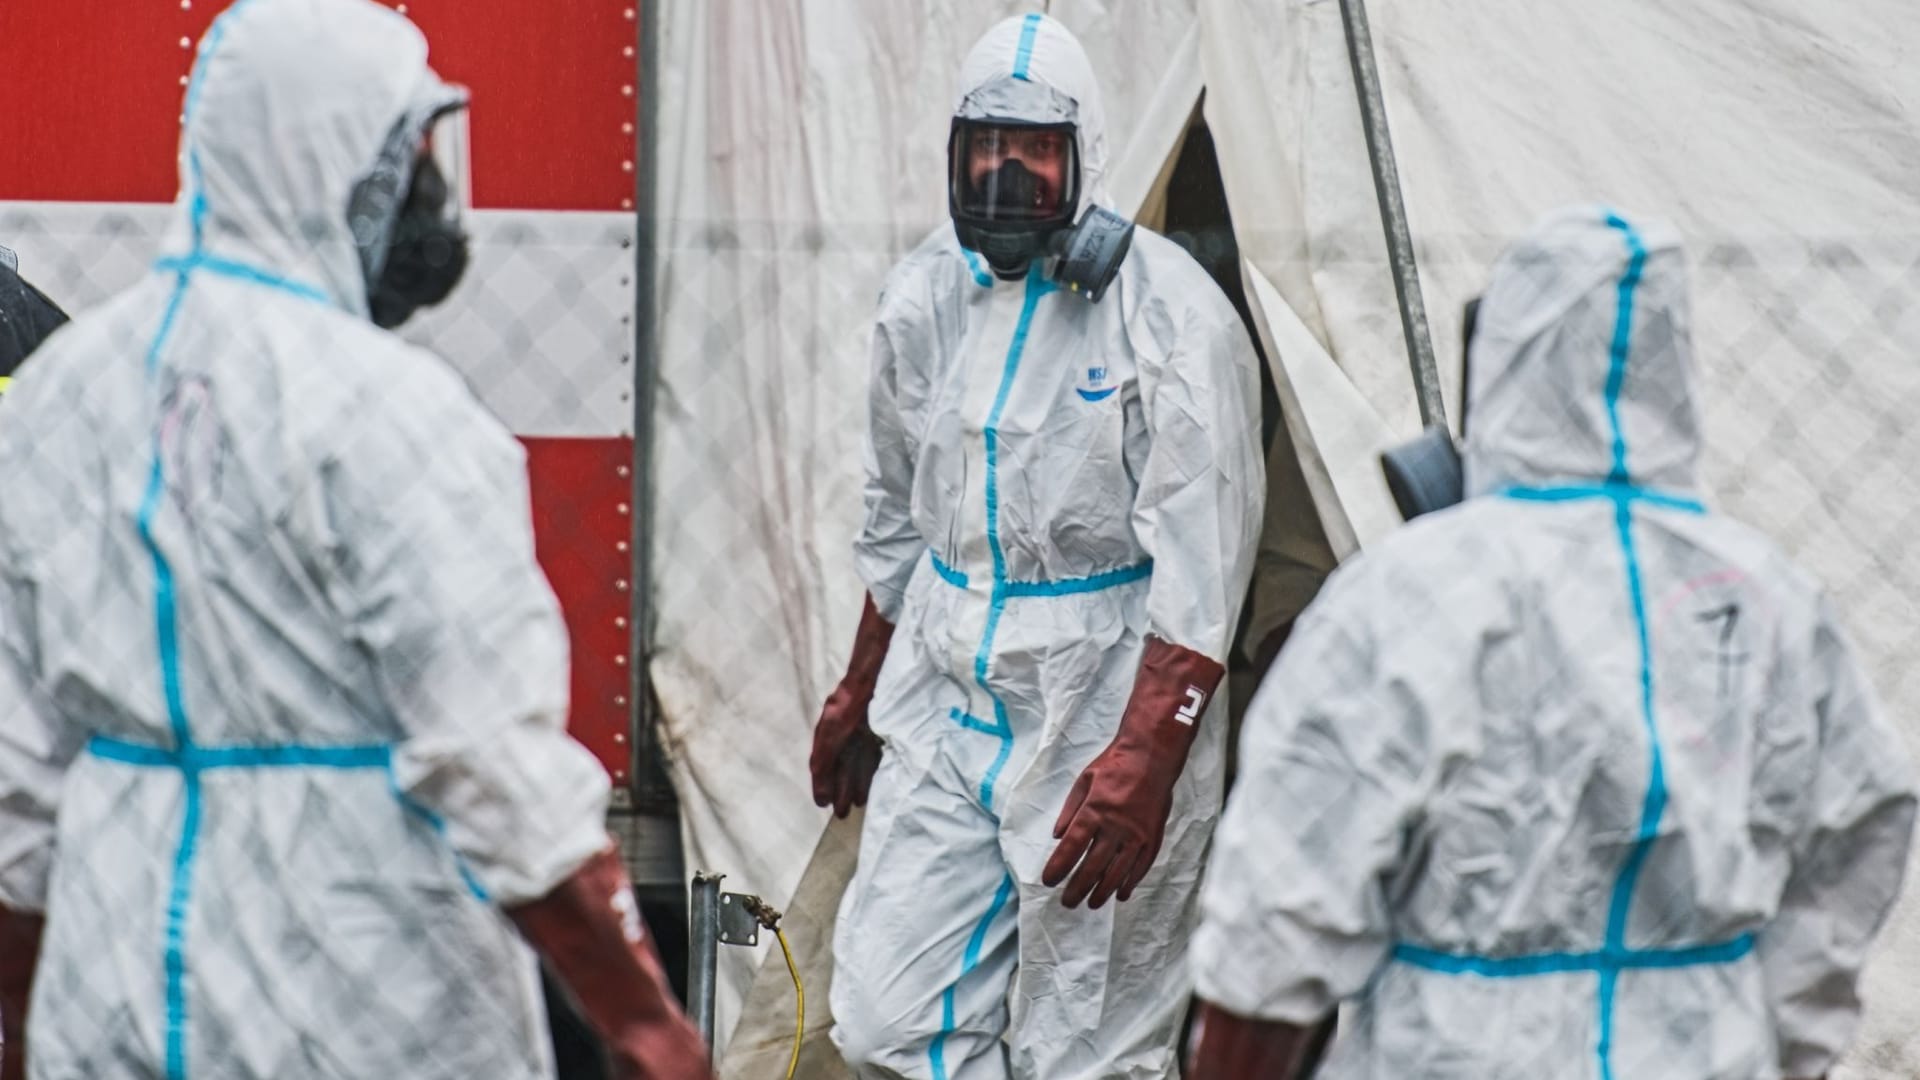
1338	433
801	150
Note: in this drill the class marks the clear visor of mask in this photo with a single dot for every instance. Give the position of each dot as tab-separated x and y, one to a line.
1013	172
446	144
423	167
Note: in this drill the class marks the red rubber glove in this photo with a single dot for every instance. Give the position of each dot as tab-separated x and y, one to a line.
19	955
1230	1047
1116	815
845	750
588	929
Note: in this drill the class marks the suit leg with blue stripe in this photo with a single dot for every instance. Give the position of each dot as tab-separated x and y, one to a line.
931	875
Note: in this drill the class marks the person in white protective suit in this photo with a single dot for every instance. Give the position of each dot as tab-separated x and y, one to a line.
1578	778
1064	490
282	688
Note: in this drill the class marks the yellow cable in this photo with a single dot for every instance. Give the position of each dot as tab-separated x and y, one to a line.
800	1003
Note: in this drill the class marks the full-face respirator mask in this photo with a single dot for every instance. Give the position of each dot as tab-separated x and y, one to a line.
1014	187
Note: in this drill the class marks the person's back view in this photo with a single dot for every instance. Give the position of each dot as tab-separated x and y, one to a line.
1577	779
282	687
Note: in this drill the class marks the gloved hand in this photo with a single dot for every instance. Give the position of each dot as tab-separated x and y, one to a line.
845	750
1230	1047
589	931
19	955
1116	815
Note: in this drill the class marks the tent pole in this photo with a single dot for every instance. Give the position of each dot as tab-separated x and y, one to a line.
1393	213
643	737
703	976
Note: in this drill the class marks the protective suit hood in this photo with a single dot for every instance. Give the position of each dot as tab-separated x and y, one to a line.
1039	49
1585	318
284	115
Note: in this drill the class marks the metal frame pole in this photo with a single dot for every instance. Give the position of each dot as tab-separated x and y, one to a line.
703	950
1393	214
643	738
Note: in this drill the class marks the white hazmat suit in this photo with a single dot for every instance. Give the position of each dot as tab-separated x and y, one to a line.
282	688
1049	481
1579	778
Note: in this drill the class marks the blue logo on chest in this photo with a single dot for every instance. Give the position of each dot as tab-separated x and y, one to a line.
1096	388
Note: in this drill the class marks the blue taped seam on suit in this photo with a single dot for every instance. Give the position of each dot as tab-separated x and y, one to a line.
980	275
1515	967
1092	583
937	1051
947	573
1037	287
1023	56
178	891
1622	341
1614	956
165	617
193	760
1106	579
973	723
199	758
1656	798
439	827
999	760
1616	492
165	626
215	35
240	271
176	932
